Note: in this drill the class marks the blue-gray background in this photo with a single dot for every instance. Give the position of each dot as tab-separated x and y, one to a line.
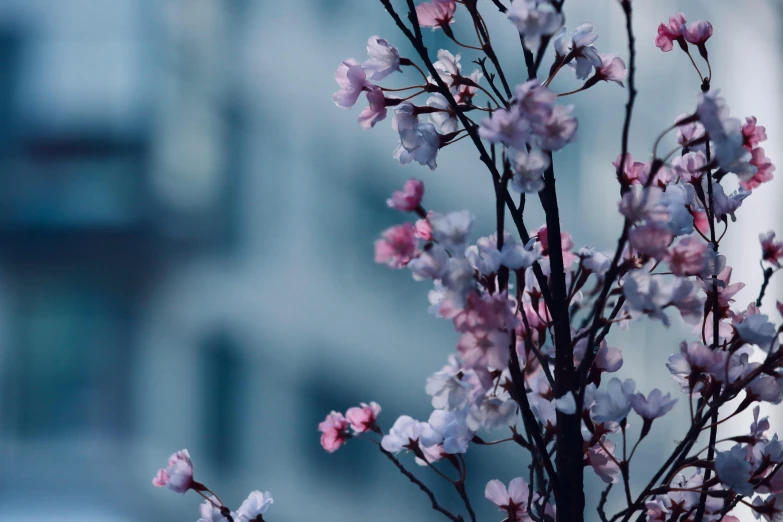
186	228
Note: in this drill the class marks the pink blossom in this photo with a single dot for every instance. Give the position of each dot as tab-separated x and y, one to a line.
484	348
435	14
409	198
334	431
566	243
465	92
444	119
585	54
693	360
662	178
579	46
506	126
612	69
701	221
423	229
602	462
632	170
641	204
764	169
452	427
376	110
513	501
384	59
651	239
607	359
453	387
655	405
772	251
448	67
419	141
753	134
178	476
255	505
397	246
726	290
612	404
352	80
534	20
528	170
756	329
452	230
362	418
688	132
211	511
697	32
407	430
487	312
534	100
430	264
733	470
690	167
687	257
668	34
557	130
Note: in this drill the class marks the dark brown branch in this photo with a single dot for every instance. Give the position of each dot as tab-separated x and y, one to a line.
767	276
529	420
716	316
602	502
460	486
472	7
437	507
626	5
482	62
569	436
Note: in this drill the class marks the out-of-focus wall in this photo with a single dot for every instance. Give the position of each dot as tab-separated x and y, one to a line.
186	233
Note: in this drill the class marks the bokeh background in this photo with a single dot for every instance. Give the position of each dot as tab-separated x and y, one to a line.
186	229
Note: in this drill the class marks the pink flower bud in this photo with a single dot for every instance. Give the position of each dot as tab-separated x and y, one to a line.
334	431
178	476
362	418
409	198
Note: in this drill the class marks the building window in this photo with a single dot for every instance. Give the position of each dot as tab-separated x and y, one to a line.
71	368
222	374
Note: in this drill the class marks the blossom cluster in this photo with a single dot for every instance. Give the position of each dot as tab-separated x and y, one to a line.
178	477
508	294
533	313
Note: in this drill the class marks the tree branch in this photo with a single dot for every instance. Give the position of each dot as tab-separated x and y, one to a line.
437	507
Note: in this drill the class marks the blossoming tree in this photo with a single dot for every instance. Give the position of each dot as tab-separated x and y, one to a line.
533	314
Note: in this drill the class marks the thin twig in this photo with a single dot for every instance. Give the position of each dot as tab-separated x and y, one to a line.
437	507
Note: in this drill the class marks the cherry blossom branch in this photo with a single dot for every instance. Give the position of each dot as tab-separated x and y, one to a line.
482	62
715	332
437	507
539	356
768	272
626	6
528	419
602	503
418	44
502	8
460	486
472	7
569	436
679	454
600	304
